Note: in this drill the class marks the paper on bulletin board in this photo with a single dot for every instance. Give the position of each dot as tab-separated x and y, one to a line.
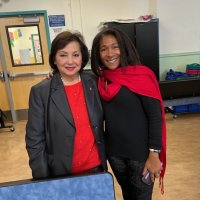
25	56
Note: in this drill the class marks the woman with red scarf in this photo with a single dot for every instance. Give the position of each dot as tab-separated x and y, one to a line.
134	114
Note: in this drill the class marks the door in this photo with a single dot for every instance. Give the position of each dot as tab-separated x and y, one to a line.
24	59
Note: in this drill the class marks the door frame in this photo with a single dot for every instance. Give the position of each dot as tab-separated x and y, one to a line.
32	12
4	67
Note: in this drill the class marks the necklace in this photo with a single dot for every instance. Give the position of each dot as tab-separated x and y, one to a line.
70	82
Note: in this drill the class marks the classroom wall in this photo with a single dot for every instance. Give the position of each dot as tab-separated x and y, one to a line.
179	25
82	15
93	12
53	7
179	30
179	34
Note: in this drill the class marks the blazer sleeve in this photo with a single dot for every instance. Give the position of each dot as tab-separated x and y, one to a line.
35	135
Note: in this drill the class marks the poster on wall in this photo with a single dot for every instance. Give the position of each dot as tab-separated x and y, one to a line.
57	30
56	20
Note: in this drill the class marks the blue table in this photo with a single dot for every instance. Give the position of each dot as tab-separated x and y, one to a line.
87	187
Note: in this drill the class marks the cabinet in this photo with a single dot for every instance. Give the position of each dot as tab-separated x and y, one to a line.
145	37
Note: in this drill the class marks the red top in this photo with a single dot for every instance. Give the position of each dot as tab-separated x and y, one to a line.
85	154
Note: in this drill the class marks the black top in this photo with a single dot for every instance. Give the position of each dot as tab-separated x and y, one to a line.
133	125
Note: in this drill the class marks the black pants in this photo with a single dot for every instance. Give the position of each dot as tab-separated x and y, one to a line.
129	176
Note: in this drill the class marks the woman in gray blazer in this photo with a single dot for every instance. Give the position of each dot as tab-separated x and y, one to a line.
64	132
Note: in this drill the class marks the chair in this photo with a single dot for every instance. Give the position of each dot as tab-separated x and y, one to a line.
2	123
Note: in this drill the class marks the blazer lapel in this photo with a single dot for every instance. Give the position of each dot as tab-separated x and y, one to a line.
59	97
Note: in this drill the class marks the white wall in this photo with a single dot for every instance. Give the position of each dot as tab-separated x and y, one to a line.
93	12
179	25
82	15
179	19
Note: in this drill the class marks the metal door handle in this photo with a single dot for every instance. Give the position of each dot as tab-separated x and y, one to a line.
2	76
15	75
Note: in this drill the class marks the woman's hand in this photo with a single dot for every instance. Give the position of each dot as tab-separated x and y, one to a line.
49	75
153	165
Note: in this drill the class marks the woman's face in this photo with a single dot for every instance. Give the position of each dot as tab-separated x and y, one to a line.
69	59
109	52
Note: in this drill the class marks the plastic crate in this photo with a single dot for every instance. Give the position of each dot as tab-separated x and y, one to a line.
180	109
186	108
194	107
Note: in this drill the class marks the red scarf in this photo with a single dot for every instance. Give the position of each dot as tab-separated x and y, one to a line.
141	80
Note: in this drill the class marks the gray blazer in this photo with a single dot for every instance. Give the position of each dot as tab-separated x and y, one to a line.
50	129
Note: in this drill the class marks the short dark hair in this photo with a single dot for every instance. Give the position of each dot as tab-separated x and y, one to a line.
61	40
128	52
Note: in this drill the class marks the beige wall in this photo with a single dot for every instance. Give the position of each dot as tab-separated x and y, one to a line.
179	20
179	26
93	12
179	29
82	15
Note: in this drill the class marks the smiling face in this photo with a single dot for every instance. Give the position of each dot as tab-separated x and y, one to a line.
69	59
109	52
